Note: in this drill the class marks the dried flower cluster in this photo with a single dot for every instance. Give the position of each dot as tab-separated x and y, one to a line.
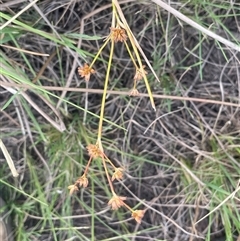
140	74
119	32
85	71
116	201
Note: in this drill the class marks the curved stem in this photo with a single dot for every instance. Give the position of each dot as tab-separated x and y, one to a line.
88	164
136	46
108	177
109	161
104	96
130	54
99	51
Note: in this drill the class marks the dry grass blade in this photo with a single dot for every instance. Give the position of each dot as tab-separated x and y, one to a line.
24	51
8	159
10	3
59	126
161	213
177	164
195	25
116	92
218	206
18	14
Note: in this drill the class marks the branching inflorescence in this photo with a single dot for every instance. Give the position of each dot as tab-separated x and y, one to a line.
119	32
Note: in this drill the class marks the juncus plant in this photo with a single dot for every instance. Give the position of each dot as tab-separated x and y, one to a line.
119	32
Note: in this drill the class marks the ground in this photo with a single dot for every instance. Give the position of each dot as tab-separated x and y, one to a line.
181	162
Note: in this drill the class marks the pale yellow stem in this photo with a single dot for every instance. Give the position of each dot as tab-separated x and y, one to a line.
99	51
104	97
135	46
109	161
130	54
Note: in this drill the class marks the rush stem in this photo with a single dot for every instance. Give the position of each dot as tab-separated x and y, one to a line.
105	94
88	164
107	174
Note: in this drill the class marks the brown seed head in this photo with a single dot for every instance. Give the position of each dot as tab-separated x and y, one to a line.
116	202
118	34
134	92
85	71
73	188
82	181
94	151
138	215
139	74
118	174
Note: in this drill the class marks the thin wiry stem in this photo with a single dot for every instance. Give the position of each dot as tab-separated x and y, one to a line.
135	46
115	92
108	177
109	161
88	164
130	54
104	96
98	53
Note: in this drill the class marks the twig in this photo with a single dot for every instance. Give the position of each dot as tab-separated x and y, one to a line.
115	92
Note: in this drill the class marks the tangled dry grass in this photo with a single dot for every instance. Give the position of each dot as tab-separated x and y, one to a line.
181	162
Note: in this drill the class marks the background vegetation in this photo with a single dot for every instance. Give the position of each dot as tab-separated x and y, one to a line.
181	162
